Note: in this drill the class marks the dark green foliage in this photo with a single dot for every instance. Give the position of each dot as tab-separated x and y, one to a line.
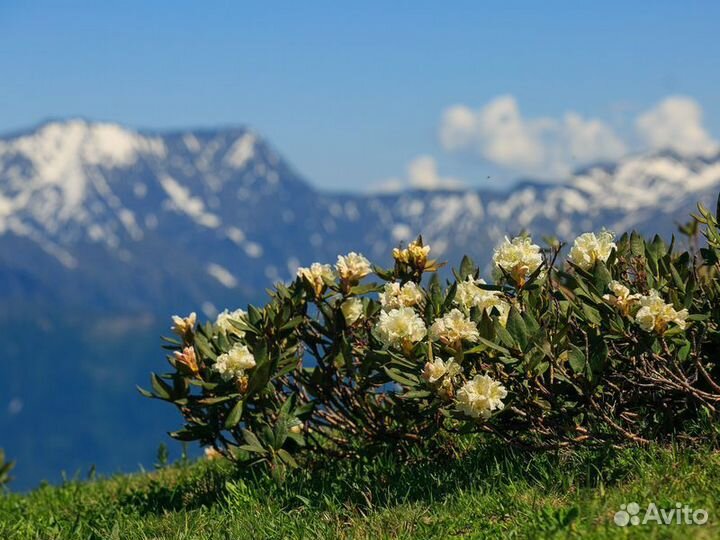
581	362
5	468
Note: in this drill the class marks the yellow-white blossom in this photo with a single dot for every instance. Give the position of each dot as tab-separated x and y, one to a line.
317	274
394	296
400	327
414	254
436	370
224	324
183	326
621	298
353	266
352	309
446	390
187	359
589	248
655	315
519	258
469	295
234	363
453	328
480	396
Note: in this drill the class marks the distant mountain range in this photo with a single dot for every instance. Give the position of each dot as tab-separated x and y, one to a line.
105	231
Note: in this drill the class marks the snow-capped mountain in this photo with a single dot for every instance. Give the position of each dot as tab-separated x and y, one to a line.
104	231
146	221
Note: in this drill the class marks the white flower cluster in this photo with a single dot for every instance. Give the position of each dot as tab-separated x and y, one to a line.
469	295
443	373
454	328
519	258
352	267
352	310
653	315
400	327
234	363
224	324
394	296
317	275
479	397
437	369
589	248
621	298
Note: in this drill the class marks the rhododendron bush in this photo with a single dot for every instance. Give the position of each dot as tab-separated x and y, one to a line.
605	341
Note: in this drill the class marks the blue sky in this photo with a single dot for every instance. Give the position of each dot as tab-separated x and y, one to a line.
354	95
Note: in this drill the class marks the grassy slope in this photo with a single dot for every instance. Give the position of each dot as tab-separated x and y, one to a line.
487	493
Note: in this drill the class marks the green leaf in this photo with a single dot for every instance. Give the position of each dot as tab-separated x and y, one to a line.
637	245
192	432
516	327
203	347
162	389
254	315
435	291
601	277
403	379
218	399
233	418
260	375
504	335
592	315
449	297
684	351
183	435
467	268
533	327
287	458
417	394
253	444
383	273
144	392
486	343
293	323
360	290
577	361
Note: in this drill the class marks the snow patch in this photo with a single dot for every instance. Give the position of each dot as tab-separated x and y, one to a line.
182	201
242	151
191	142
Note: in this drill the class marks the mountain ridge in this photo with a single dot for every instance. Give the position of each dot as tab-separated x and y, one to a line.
96	190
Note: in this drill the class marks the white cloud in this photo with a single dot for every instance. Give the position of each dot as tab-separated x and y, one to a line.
222	274
422	173
676	123
543	147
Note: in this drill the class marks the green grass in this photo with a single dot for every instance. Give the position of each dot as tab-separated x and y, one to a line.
487	493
